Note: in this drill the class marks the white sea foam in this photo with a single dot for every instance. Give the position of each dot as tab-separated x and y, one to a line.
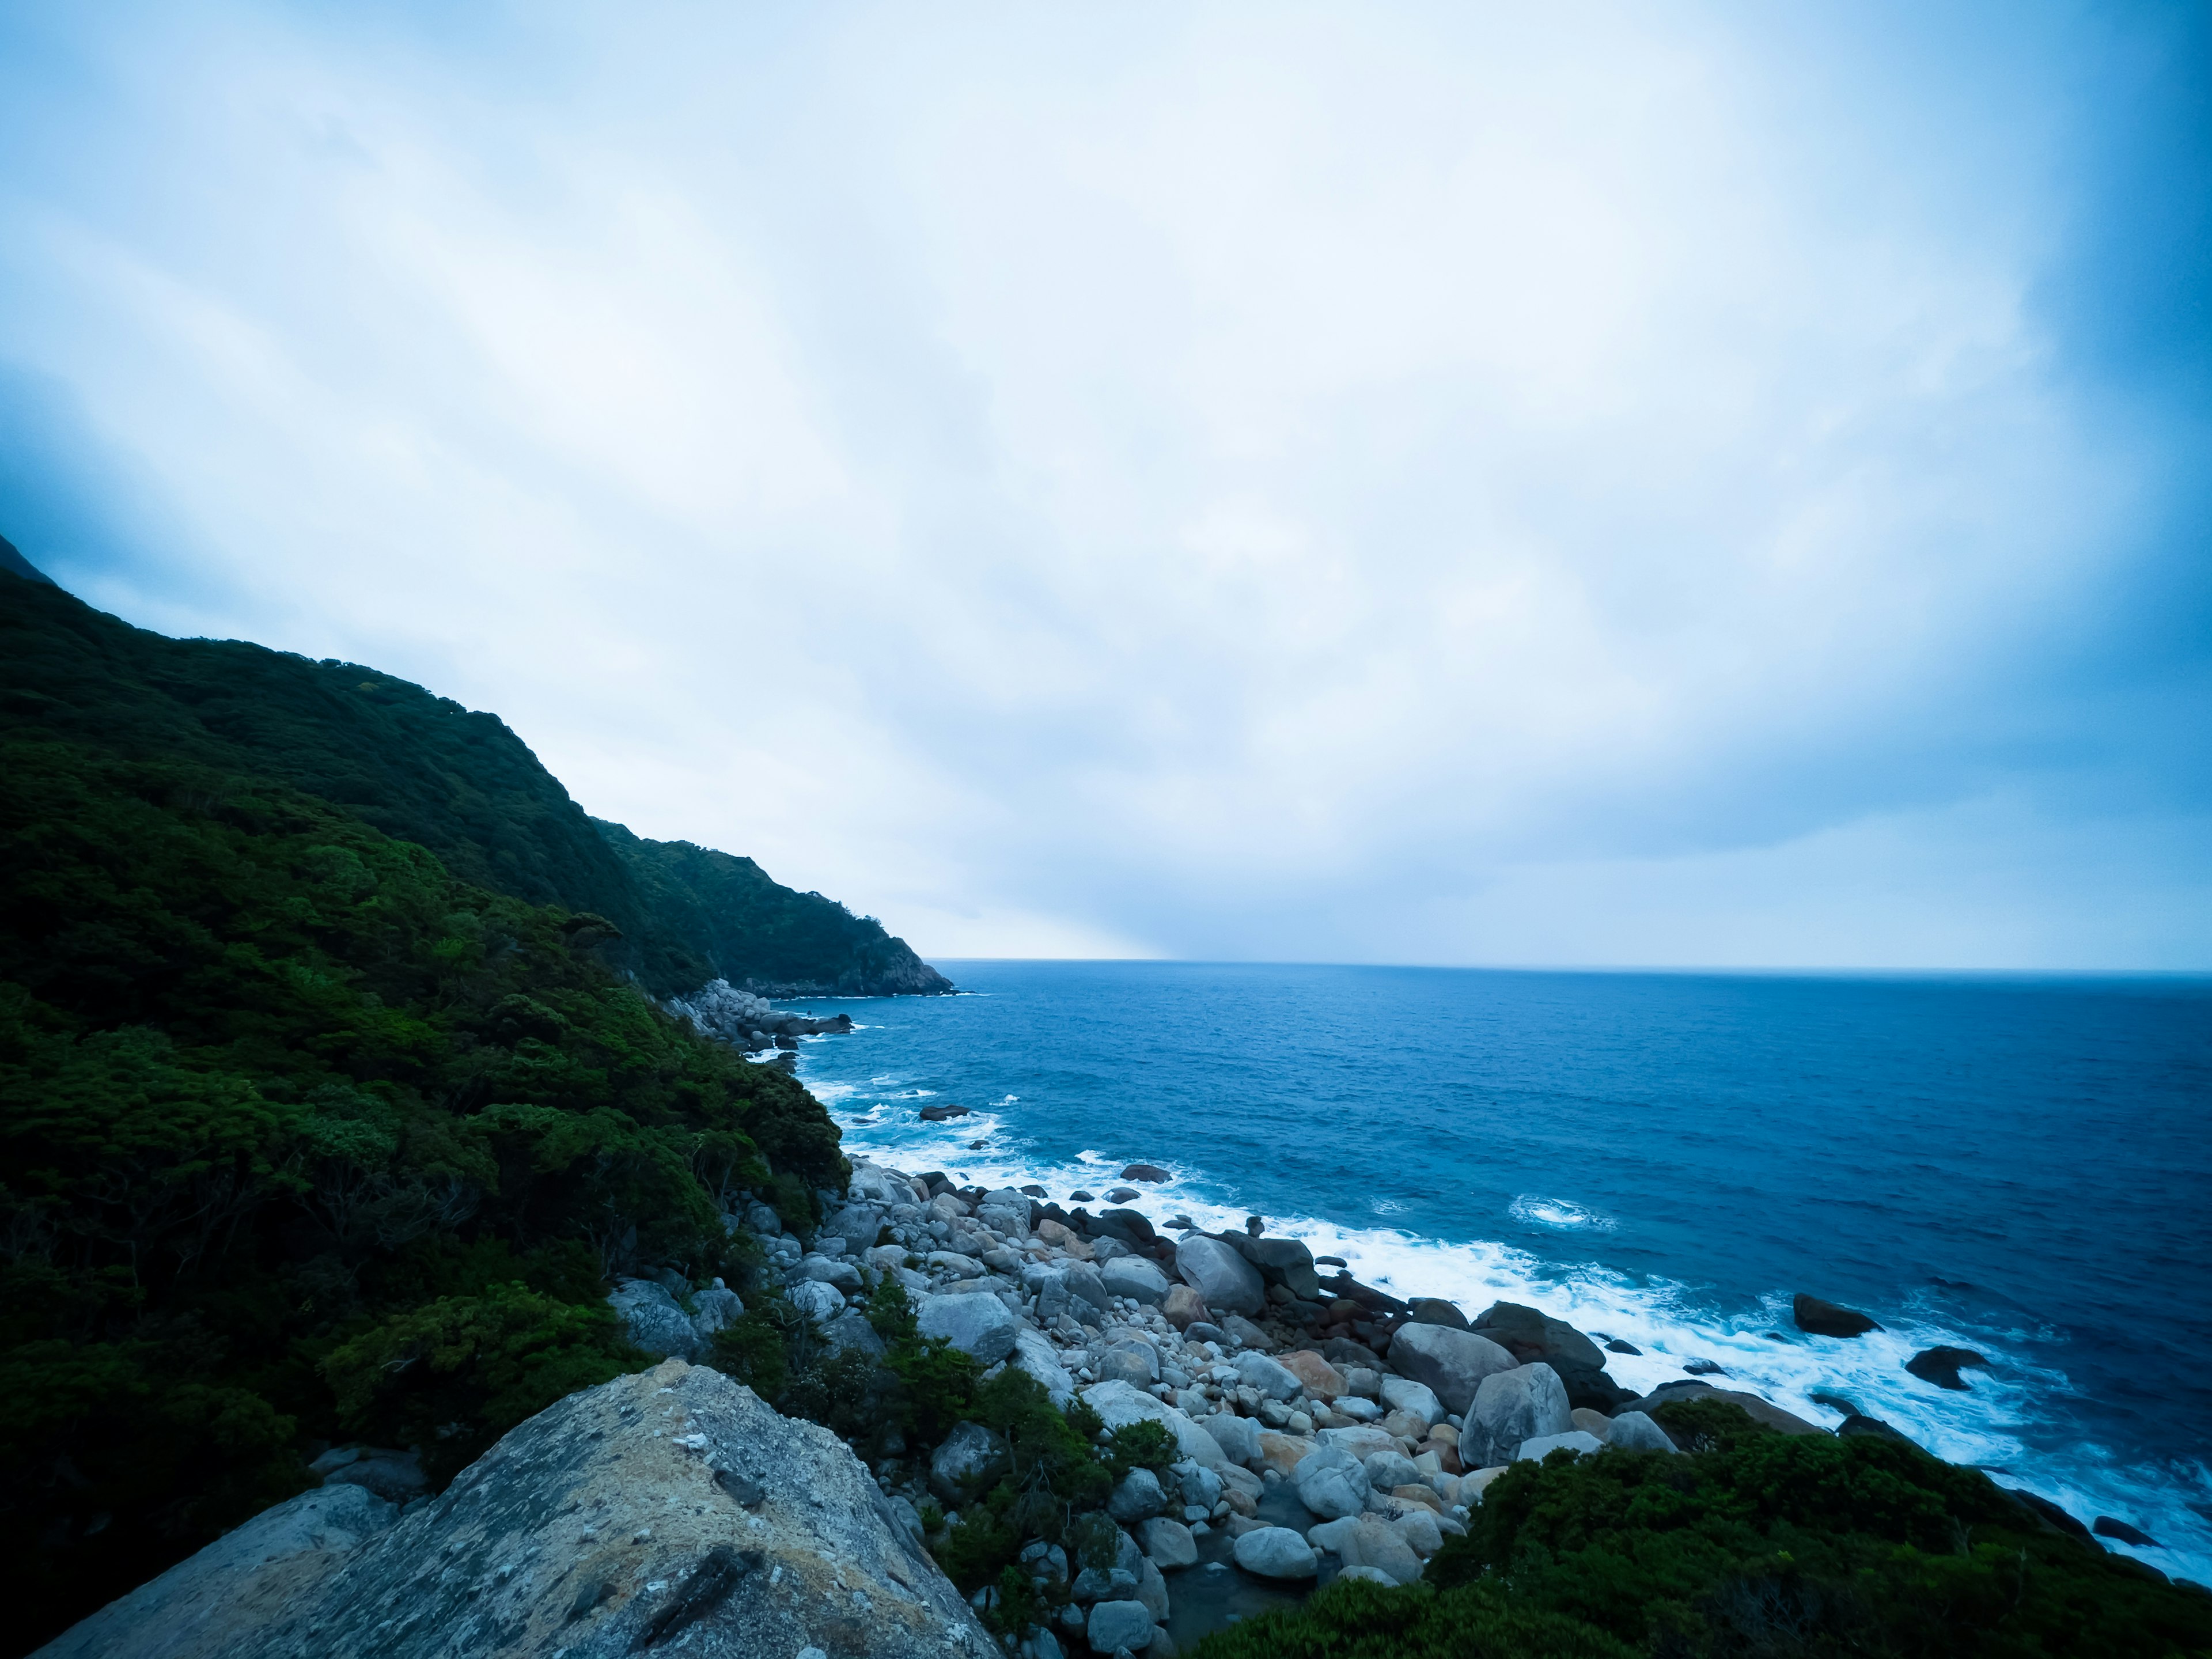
1672	1323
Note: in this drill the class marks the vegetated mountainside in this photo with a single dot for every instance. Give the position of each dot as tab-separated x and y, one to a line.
762	937
302	1136
421	768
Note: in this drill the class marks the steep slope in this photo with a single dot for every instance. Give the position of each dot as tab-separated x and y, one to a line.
421	768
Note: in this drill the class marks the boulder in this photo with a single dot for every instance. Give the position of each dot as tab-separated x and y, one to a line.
1137	1498
660	1556
1531	1335
236	1586
1243	1330
653	1321
1369	1542
1453	1363
1634	1431
1283	1453
1820	1318
1362	1441
850	1332
1149	1173
1114	1626
1151	1589
1238	1437
858	1224
1168	1543
1590	1422
715	1310
2106	1526
1942	1366
1574	1440
1512	1406
1120	1404
1331	1482
1035	1355
393	1475
1131	1363
818	1301
1403	1394
981	1326
1086	1286
940	1114
1322	1380
1137	1278
1224	1280
1276	1552
1858	1423
835	1272
1387	1469
1758	1410
1182	1306
970	1458
1435	1311
1273	1381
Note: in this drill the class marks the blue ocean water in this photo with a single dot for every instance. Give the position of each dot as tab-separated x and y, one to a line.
2018	1166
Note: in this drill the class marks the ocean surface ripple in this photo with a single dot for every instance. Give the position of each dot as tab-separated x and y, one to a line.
2018	1166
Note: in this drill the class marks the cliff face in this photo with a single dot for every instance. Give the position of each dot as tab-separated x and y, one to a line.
421	768
669	1508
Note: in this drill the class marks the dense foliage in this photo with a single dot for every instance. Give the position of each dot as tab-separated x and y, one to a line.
1761	1544
422	769
306	1138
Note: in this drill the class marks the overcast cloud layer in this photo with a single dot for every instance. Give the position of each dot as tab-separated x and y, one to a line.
1456	484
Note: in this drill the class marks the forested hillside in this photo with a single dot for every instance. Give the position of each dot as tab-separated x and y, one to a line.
421	768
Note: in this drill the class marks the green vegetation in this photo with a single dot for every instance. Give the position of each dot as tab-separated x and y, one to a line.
1762	1544
422	769
304	1138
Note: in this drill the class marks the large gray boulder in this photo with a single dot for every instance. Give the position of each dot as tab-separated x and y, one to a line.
1120	1404
1225	1280
1273	1380
715	1309
1403	1394
1282	1261
611	1522
1634	1431
237	1584
1137	1498
1532	1336
1035	1355
981	1326
1238	1437
1167	1544
1137	1278
818	1301
1579	1440
652	1320
1366	1541
1511	1407
1453	1363
1116	1625
1276	1552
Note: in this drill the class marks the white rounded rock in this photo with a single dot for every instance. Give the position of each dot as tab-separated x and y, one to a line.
1276	1552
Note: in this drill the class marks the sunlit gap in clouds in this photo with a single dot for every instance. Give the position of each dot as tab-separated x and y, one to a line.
1416	484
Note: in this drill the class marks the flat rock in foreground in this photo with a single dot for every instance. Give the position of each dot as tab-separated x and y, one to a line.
611	1523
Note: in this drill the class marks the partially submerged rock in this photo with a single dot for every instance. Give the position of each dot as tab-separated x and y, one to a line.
1820	1318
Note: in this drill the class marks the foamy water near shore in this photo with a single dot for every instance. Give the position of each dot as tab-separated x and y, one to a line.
1669	1322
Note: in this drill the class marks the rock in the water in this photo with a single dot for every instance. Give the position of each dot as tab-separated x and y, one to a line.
1137	1498
1169	1543
970	1458
1137	1278
1276	1552
1224	1280
1453	1363
979	1326
1634	1431
1616	1345
940	1114
1820	1318
1859	1424
229	1591
653	1321
1542	1446
1183	1308
2105	1526
1273	1379
1942	1366
1435	1311
1117	1625
599	1527
1149	1173
1512	1406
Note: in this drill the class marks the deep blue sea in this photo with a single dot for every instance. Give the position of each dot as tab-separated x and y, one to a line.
2019	1166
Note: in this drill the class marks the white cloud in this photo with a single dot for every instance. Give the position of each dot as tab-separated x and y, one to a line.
1172	481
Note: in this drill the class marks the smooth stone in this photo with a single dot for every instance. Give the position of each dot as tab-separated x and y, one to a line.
970	1457
981	1326
1591	1422
1419	1529
1121	1404
1527	1403
1331	1483
1114	1625
1273	1381
953	1261
1368	1541
1322	1380
1452	1364
1276	1552
652	1321
1359	1440
1634	1431
1222	1277
1168	1543
1283	1453
1138	1498
818	1301
1182	1306
1573	1440
1942	1366
1137	1278
1244	1331
1386	1469
1358	1410
1403	1394
1435	1311
1238	1437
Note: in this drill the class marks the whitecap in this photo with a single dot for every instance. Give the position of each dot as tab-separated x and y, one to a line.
1562	1215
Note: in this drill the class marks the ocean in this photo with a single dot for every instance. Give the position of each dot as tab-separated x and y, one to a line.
2020	1166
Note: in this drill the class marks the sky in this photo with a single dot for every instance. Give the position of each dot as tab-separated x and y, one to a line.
1588	484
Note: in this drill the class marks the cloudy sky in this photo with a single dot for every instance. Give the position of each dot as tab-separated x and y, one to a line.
1457	483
